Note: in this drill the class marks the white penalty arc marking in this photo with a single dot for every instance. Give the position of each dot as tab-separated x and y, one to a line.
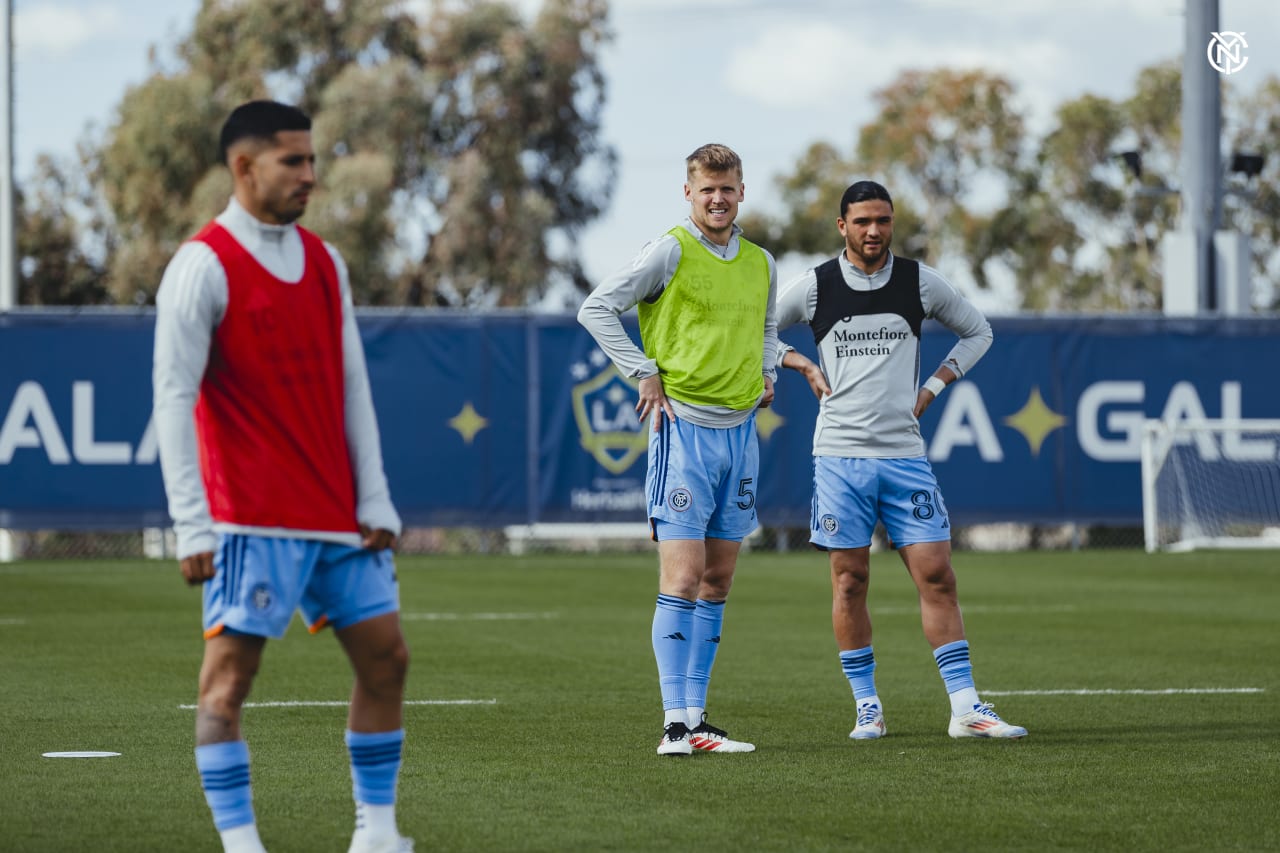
343	703
475	617
1168	691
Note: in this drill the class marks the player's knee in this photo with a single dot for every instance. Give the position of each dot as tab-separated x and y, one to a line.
387	666
226	689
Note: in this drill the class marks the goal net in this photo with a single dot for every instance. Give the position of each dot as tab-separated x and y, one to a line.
1211	484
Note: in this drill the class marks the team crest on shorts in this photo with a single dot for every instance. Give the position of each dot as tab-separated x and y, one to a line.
260	597
680	499
830	524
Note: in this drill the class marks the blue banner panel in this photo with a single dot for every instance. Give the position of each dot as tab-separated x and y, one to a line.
1047	426
489	420
76	445
453	401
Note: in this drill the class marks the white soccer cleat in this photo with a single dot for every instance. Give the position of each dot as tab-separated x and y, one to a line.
983	722
707	738
360	843
870	723
675	740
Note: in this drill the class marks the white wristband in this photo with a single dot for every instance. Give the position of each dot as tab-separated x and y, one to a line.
934	385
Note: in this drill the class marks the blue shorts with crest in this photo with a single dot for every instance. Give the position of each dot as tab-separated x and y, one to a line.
705	478
850	495
260	581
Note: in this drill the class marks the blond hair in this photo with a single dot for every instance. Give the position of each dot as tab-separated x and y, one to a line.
714	158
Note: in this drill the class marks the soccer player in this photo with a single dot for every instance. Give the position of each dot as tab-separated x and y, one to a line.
273	469
865	308
706	301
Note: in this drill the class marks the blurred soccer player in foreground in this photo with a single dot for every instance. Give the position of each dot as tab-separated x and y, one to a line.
276	484
706	299
866	307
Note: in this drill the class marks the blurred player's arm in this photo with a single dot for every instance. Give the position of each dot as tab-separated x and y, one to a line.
189	305
797	301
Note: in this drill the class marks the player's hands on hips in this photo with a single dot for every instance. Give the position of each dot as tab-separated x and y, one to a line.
376	540
767	397
653	401
197	568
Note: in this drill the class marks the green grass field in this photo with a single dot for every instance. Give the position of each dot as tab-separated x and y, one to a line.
559	754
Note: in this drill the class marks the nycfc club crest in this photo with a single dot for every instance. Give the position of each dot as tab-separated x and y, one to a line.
680	500
604	407
829	524
260	598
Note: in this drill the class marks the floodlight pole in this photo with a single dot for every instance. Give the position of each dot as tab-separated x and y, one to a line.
1201	157
8	253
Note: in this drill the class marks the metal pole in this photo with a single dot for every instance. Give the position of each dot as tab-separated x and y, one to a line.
1201	157
8	255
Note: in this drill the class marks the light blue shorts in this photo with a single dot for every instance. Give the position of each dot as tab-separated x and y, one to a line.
704	479
259	581
850	495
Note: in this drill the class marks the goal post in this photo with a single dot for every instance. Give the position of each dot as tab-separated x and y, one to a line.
1211	484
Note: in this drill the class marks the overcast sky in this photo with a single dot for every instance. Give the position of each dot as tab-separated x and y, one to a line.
766	78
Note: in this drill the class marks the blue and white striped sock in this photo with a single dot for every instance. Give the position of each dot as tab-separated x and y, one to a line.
224	774
957	675
375	765
859	667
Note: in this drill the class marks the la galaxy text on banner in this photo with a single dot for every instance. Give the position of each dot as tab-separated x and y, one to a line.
489	420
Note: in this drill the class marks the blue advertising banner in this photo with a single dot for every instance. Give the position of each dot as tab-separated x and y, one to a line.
489	420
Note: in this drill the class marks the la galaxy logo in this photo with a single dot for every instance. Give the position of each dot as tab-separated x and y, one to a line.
604	407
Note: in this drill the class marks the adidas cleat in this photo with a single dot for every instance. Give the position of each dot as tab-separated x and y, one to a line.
983	722
870	723
675	740
707	738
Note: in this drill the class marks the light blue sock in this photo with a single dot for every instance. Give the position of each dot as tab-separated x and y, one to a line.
957	675
375	765
672	628
859	667
708	617
224	774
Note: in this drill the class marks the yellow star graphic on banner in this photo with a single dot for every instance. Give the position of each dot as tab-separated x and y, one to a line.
767	421
468	422
1035	421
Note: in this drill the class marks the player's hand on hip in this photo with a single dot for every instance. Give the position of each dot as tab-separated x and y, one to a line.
376	540
197	568
923	398
767	397
817	380
653	401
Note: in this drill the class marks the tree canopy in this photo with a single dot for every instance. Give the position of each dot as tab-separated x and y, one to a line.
457	149
1065	216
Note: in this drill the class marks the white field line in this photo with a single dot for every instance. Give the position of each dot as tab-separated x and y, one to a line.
297	703
969	609
1168	691
474	617
13	621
